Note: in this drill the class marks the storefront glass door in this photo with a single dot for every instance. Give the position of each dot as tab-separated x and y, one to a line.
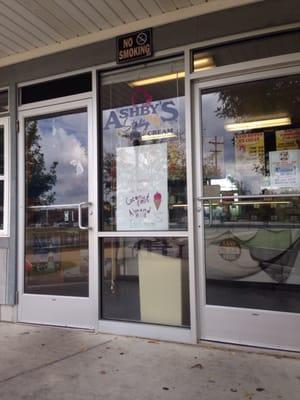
144	239
248	211
56	253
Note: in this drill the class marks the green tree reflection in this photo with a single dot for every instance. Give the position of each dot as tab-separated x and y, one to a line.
40	182
264	99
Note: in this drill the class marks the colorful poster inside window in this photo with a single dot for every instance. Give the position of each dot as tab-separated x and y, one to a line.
285	169
213	157
288	139
142	188
249	152
151	120
249	159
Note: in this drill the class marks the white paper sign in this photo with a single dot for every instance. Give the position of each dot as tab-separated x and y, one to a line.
285	168
142	187
250	160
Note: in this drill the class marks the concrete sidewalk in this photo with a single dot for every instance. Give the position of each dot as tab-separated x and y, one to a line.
41	363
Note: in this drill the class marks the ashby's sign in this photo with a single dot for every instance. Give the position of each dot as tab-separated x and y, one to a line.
147	121
134	46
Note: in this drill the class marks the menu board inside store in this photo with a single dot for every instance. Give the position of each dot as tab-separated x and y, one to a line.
284	163
265	161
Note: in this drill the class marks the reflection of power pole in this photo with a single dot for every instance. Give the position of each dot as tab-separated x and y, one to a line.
215	152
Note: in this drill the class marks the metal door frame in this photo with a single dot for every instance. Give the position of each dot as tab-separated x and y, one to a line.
30	310
255	327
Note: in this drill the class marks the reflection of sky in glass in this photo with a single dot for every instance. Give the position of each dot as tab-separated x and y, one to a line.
213	127
64	140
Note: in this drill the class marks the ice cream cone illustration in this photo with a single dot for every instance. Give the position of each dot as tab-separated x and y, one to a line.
157	200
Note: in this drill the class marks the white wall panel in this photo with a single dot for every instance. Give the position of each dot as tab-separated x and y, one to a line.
199	1
151	6
137	9
65	18
182	3
7	42
166	5
122	10
8	31
93	14
39	8
107	12
78	15
16	10
33	28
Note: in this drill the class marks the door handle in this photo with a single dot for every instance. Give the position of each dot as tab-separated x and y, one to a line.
80	206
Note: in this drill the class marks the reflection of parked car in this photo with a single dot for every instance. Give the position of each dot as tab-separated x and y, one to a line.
43	252
45	261
51	215
49	266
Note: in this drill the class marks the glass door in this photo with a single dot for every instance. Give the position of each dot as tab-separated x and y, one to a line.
56	255
249	211
144	240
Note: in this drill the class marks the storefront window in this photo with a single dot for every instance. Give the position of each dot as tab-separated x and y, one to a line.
143	142
4	101
251	186
56	176
143	176
3	175
245	50
146	280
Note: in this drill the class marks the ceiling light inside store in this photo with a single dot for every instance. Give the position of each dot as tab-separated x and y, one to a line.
157	79
166	135
201	64
264	123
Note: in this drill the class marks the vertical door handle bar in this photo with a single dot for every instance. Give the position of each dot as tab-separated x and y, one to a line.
80	206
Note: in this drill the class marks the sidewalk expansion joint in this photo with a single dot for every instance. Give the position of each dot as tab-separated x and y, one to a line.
53	362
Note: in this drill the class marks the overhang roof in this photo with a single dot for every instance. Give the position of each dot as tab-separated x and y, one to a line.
33	28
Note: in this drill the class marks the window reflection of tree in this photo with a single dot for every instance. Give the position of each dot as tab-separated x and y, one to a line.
272	98
39	181
251	100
